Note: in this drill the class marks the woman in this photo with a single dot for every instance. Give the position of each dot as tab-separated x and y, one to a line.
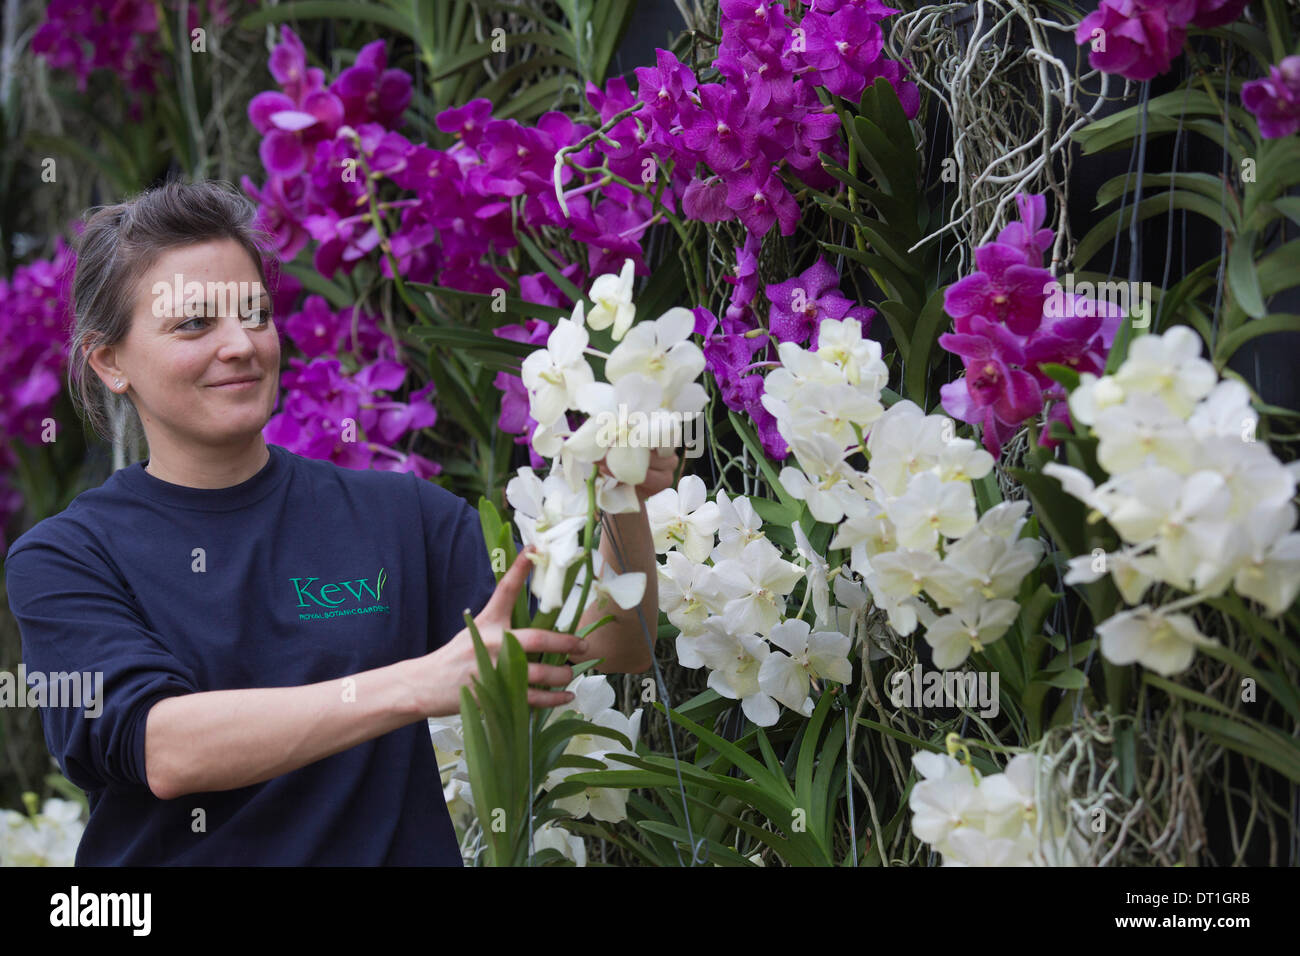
272	631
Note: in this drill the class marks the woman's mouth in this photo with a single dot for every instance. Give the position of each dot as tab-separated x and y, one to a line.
236	384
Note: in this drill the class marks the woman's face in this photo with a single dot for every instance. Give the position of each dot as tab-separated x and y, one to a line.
209	377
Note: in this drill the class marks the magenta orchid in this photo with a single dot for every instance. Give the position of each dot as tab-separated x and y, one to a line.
1009	321
329	414
1139	39
799	305
1275	99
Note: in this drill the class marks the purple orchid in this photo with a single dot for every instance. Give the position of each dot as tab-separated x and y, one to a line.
721	130
1138	39
995	393
371	93
745	279
760	199
841	48
1004	289
799	305
514	418
1027	235
328	414
1275	99
82	37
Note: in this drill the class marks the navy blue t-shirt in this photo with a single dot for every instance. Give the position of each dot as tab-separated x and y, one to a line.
305	572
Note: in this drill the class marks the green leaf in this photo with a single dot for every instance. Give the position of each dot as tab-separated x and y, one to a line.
344	10
1062	515
1061	374
538	98
1242	278
1280	754
545	263
924	336
1104	232
514	307
473	340
1069	679
1289	206
900	320
314	282
755	448
1269	325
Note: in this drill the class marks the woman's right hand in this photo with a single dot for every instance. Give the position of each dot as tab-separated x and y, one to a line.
442	673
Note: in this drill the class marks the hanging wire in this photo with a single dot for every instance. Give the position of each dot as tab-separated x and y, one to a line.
1223	206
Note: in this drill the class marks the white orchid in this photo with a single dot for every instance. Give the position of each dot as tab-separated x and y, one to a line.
1168	366
612	295
735	661
1271	572
809	654
679	577
827	482
946	798
1142	429
549	515
931	507
623	590
974	819
817	573
1199	503
750	591
550	836
1092	396
970	627
739	524
662	352
1164	643
553	375
614	410
841	341
866	536
594	702
681	518
986	564
49	838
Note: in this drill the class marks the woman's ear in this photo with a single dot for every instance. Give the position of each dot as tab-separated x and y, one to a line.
104	361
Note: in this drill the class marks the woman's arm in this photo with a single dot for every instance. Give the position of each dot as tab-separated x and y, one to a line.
622	642
627	545
226	739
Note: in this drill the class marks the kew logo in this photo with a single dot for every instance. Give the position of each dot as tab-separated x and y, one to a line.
333	595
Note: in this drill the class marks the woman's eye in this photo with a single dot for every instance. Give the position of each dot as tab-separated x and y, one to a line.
256	319
188	325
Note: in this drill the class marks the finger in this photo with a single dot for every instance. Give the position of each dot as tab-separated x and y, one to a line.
548	698
536	640
507	590
549	675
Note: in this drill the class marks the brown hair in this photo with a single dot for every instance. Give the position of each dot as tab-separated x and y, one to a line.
122	241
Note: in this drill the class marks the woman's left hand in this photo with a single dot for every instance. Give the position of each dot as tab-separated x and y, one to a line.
663	465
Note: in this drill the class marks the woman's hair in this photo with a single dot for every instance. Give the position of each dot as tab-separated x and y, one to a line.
118	245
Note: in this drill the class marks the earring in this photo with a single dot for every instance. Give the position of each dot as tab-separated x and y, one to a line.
117	383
